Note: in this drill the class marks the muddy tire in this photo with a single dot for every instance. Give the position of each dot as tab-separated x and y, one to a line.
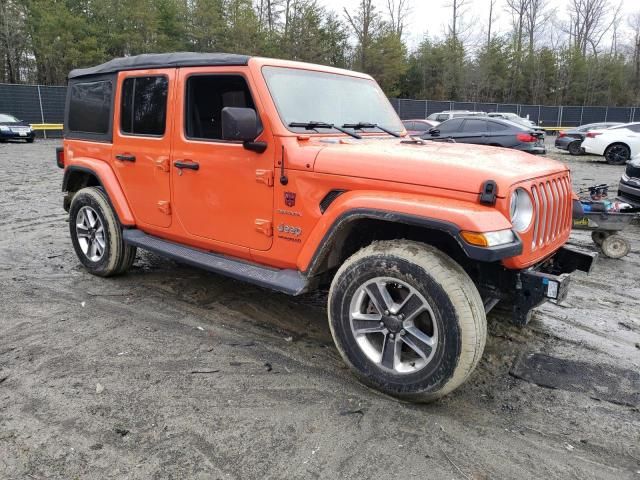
614	246
599	236
407	319
96	234
617	154
575	148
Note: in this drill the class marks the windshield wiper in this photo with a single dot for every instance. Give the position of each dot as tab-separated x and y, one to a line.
363	125
315	125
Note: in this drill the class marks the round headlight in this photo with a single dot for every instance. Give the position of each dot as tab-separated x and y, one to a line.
521	210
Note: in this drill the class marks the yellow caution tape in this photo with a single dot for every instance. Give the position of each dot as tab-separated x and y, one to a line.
47	126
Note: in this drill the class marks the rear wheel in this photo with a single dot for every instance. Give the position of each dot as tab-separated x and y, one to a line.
599	236
575	148
617	154
407	319
96	234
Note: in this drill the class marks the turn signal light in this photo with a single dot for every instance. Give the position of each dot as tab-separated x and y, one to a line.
526	138
60	156
488	239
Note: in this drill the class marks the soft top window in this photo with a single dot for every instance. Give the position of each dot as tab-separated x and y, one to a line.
89	109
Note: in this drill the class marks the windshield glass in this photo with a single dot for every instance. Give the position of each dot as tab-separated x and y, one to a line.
304	96
7	118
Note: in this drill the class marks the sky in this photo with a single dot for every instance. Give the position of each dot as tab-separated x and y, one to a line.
432	16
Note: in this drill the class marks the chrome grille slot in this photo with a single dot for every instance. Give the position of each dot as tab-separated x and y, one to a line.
536	212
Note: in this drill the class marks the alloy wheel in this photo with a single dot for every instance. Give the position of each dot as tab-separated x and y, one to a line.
90	234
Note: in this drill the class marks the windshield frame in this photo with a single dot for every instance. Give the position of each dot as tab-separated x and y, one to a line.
401	130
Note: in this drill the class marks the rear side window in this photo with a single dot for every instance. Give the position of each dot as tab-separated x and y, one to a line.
90	107
472	126
497	127
421	127
450	126
143	109
442	117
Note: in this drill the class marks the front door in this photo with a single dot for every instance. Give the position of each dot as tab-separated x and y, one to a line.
221	190
142	145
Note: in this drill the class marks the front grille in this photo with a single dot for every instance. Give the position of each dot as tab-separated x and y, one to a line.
552	200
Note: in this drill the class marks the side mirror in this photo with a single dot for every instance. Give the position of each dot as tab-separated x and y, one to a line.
434	131
242	124
239	124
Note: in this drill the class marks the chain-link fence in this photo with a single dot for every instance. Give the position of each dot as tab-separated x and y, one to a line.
543	115
45	104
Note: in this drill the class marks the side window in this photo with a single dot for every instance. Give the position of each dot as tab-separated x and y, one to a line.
442	117
421	127
409	125
90	107
206	96
496	127
472	126
635	128
143	109
450	126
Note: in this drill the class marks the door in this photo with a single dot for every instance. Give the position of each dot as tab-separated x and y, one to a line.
474	130
451	129
141	143
221	190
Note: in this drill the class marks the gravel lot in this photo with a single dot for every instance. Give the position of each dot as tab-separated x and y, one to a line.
171	372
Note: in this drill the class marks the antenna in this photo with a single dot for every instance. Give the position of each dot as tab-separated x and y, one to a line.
283	178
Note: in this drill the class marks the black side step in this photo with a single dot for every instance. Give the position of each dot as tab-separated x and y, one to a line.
291	282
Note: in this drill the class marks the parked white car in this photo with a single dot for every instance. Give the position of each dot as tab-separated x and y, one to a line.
513	117
617	144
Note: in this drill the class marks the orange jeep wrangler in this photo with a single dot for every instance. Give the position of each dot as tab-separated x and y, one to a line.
295	177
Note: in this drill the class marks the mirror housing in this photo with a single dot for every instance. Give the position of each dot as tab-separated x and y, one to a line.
239	124
434	131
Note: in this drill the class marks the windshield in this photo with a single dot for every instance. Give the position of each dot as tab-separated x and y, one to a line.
7	118
307	96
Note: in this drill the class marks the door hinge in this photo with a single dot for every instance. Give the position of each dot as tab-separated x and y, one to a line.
265	176
264	226
162	164
165	207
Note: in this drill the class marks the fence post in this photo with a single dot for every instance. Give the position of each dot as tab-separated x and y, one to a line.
426	108
559	116
606	114
581	113
44	132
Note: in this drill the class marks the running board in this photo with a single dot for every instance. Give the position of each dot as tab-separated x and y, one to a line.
291	282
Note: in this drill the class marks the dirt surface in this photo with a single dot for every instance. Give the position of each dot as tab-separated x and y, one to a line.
171	372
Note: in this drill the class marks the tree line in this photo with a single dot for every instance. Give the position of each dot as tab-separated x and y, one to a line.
582	60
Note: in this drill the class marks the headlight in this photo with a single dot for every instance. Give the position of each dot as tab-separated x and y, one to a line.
4	128
521	210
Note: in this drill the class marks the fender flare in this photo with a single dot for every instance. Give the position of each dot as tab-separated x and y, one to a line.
435	213
107	180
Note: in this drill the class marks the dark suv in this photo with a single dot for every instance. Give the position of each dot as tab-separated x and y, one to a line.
629	188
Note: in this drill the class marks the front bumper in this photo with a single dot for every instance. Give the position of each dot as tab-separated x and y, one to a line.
629	191
547	281
563	142
11	135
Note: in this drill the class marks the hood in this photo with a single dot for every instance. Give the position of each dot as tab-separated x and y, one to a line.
452	166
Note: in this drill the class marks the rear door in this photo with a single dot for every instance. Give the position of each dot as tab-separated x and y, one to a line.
473	131
142	142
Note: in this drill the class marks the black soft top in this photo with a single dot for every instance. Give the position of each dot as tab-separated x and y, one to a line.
162	60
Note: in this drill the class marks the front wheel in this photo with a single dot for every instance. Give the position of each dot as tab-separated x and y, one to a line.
96	234
407	319
617	154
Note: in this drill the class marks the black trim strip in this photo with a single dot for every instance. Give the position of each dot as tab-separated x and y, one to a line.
482	254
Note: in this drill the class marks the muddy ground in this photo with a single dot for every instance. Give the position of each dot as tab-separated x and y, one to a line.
171	372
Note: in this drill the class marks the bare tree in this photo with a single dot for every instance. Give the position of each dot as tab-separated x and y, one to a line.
589	21
634	24
537	15
457	12
398	11
365	23
492	4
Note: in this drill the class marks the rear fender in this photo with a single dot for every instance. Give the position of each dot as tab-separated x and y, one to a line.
444	214
107	179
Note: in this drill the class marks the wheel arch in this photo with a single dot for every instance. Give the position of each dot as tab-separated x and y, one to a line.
77	177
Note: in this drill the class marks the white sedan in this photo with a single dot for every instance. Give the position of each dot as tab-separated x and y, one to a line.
617	144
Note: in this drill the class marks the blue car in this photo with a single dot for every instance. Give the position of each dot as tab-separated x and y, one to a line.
13	129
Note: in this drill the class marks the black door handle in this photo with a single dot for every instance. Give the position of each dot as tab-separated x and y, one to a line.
190	165
126	158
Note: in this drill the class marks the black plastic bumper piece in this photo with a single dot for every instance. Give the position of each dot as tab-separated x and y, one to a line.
549	282
291	282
